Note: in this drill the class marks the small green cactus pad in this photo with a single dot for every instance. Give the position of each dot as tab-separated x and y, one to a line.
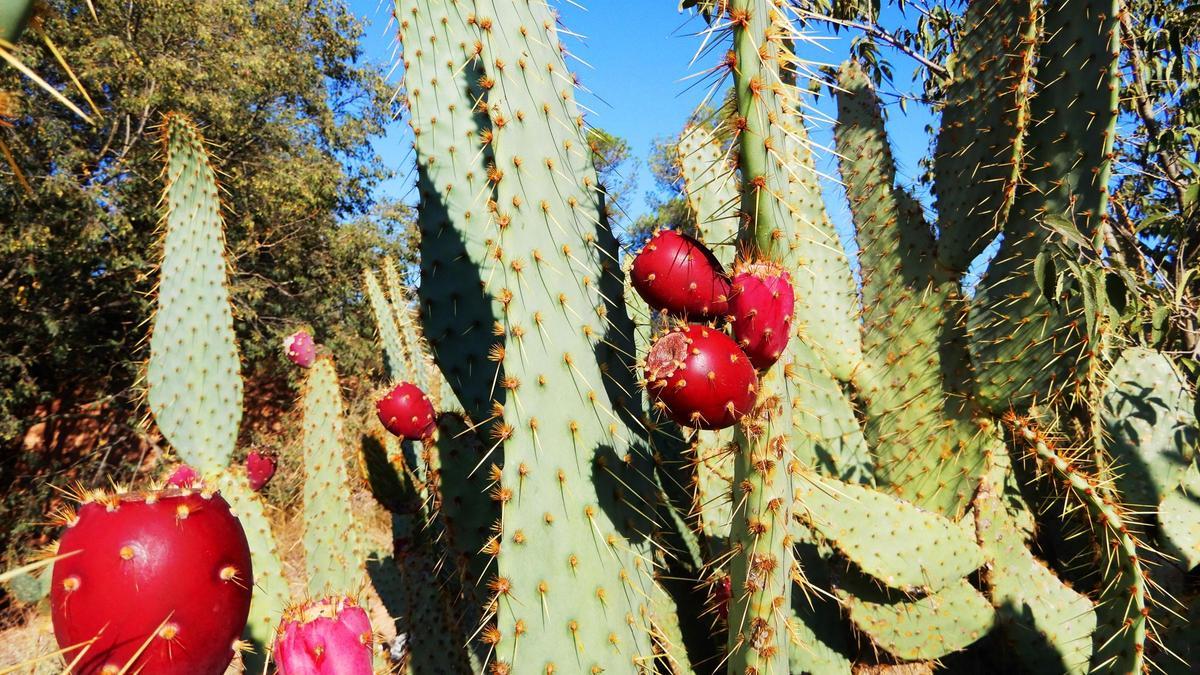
421	370
979	148
1049	623
889	539
332	550
385	474
711	186
399	367
918	629
1179	519
1149	416
271	594
194	375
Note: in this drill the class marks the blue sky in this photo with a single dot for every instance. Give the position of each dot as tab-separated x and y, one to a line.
637	55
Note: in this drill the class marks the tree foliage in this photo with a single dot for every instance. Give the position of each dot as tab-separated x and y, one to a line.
289	108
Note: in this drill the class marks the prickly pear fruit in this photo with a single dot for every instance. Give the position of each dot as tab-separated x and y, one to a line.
330	636
260	467
761	309
300	348
161	580
679	275
183	476
700	377
406	412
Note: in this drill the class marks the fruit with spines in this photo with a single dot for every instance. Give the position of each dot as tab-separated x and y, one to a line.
700	378
260	468
327	636
152	582
678	275
761	311
406	412
300	348
183	476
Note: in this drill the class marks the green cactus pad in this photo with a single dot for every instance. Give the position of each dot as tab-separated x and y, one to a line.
926	444
711	186
271	594
194	374
398	367
889	539
1049	623
421	370
1149	416
1179	519
980	146
441	86
918	629
823	417
332	550
571	582
1024	349
826	295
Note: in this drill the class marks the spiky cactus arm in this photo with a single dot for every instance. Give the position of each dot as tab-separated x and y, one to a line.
760	538
395	354
442	78
333	552
979	148
423	372
1023	348
1119	642
926	446
194	374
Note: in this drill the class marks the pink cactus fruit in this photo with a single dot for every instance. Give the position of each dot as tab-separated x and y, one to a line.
300	348
329	636
183	476
260	467
761	310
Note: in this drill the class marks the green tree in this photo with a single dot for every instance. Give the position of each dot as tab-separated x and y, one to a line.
289	107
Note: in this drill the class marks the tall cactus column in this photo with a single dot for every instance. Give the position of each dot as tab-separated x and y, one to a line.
762	549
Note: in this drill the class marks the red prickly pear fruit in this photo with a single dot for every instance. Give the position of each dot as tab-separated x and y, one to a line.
679	275
761	309
406	412
183	476
260	468
700	377
300	348
161	580
330	636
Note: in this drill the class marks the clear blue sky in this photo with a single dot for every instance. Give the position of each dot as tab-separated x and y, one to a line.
637	55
